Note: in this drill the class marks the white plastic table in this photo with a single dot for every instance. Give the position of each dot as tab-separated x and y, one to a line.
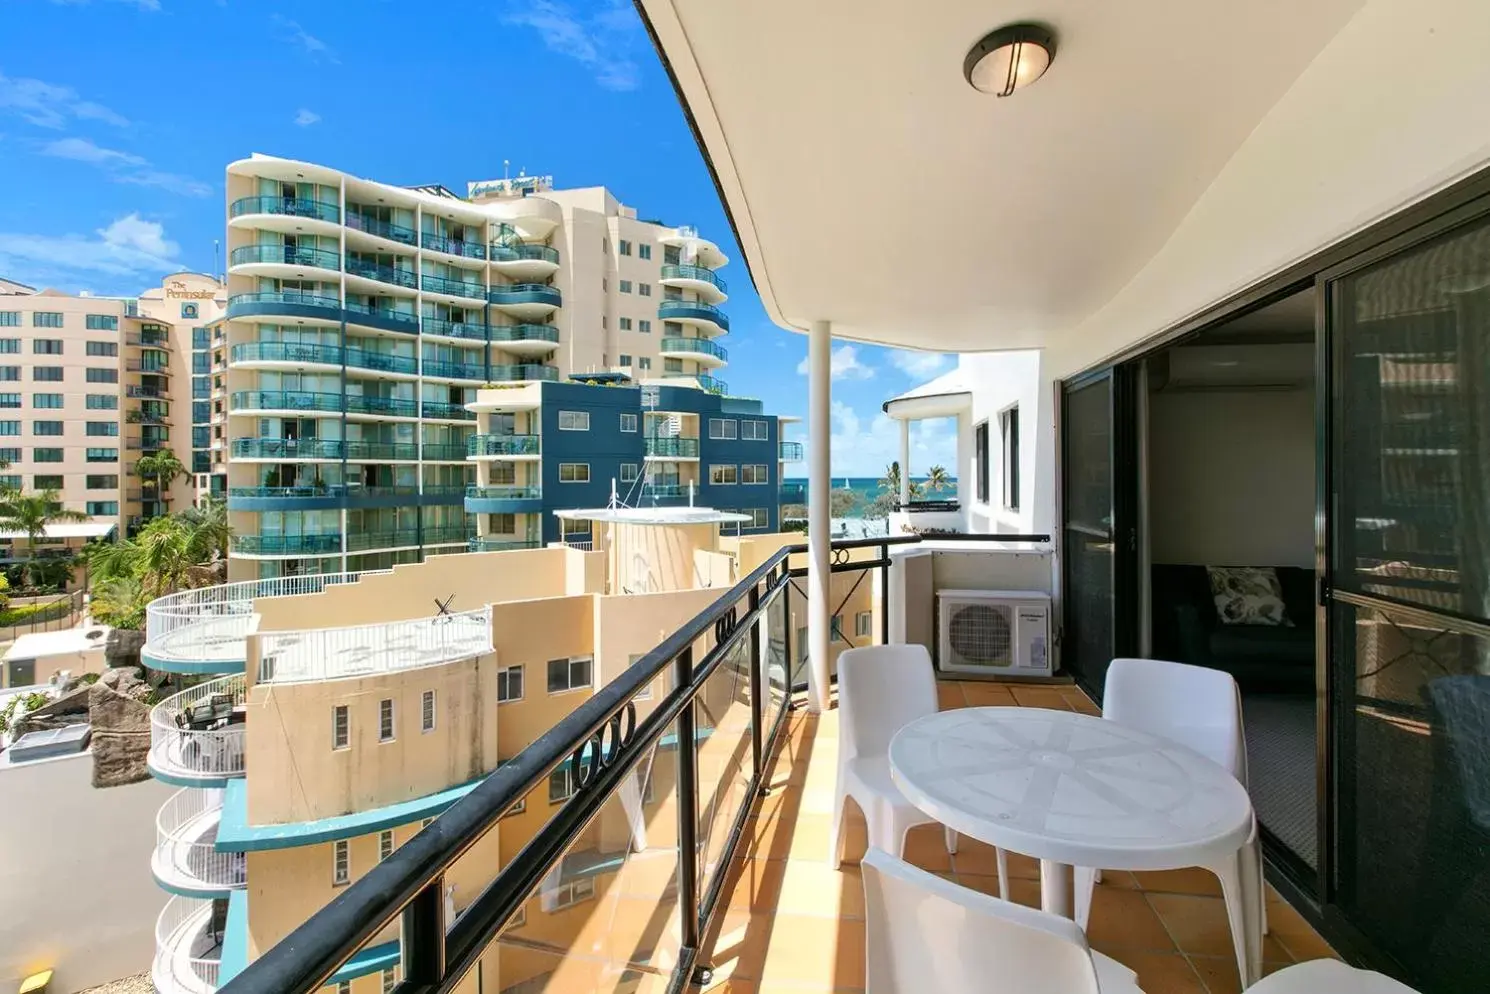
1069	790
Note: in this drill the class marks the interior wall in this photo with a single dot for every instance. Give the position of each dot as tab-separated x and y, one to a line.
1231	477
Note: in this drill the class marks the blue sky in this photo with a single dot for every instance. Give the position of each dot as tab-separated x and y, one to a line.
118	117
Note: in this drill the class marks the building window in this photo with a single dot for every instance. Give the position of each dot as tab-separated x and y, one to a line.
10	400
645	289
569	674
574	472
760	517
574	420
504	523
10	427
47	401
625	246
47	482
625	324
46	374
1009	437
864	624
10	346
46	455
46	346
757	473
427	711
724	475
385	844
10	454
101	322
102	402
628	422
47	319
510	684
46	427
625	286
625	359
104	481
644	326
645	694
11	481
727	428
644	251
93	455
835	630
644	362
101	428
10	319
101	348
980	449
561	784
570	894
385	720
628	472
341	727
96	375
341	863
672	365
10	373
755	431
95	508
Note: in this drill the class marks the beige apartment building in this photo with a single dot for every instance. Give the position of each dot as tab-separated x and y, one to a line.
89	385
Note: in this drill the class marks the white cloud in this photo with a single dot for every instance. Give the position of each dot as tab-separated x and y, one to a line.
866	446
48	105
845	364
317	49
129	247
305	118
125	167
603	42
919	365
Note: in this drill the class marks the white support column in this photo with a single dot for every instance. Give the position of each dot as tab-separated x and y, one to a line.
819	521
905	462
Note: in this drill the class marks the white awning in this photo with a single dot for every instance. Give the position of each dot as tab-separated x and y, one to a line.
946	395
69	529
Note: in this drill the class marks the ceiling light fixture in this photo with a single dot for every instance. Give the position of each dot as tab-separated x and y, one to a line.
1009	58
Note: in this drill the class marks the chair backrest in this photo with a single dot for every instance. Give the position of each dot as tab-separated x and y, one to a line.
924	933
1193	705
881	689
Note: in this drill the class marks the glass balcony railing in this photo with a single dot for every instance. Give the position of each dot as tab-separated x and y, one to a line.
285	256
368	451
525	293
383	362
445	451
379	316
455	370
677	448
397	407
524	333
383	229
324	355
288	448
265	301
502	445
451	246
287	400
515	253
455	329
456	288
524	372
362	541
793	493
446	533
287	545
152	363
499	544
310	490
700	346
791	451
699	273
383	273
292	206
692	310
446	410
148	340
508	492
148	392
713	384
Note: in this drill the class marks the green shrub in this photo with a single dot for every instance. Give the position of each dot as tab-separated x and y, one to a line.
25	614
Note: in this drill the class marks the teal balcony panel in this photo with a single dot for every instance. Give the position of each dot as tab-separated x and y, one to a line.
324	355
383	318
383	362
445	451
526	293
455	329
287	545
692	310
450	246
289	449
524	372
285	256
524	333
791	451
456	370
396	407
383	229
393	275
669	447
502	445
456	288
516	253
701	346
285	303
292	206
287	400
448	411
502	544
700	273
504	500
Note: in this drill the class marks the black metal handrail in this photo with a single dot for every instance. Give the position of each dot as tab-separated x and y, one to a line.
913	506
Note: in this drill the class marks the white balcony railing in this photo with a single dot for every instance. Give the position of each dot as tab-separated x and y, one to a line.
210	623
198	733
188	947
185	833
365	650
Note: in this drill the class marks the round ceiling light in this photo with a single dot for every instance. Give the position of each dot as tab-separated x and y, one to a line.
1009	58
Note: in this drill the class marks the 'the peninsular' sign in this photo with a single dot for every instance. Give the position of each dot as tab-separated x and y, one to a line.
176	290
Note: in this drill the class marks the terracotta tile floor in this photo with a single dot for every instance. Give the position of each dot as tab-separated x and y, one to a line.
792	923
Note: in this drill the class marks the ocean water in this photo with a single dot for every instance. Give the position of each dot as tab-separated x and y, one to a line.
867	487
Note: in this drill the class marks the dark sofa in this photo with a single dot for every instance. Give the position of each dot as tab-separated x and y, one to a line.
1261	657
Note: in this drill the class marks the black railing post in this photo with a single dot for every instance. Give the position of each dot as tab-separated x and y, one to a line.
757	703
423	929
687	787
786	638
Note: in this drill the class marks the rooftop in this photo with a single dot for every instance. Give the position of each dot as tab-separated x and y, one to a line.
652	515
34	645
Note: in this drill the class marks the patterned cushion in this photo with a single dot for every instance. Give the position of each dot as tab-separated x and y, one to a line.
1248	595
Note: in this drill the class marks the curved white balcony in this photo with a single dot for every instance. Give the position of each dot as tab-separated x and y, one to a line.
203	630
188	947
196	736
694	248
703	281
533	217
370	650
185	859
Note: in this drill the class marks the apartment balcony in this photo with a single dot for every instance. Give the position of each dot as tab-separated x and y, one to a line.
445	452
285	546
461	291
147	340
439	410
704	282
146	393
369	650
525	263
188	947
274	305
447	535
373	541
196	736
282	262
286	214
382	318
289	449
447	369
706	317
526	301
668	447
792	493
262	402
698	350
310	497
432	242
467	332
385	230
502	447
504	500
286	356
790	451
374	277
498	544
528	340
185	860
524	373
368	405
712	384
534	218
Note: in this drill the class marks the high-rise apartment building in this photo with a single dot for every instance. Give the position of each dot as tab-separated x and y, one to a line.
362	319
90	385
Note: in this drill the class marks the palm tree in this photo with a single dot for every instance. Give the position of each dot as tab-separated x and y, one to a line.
120	602
32	514
209	530
161	469
938	480
890	482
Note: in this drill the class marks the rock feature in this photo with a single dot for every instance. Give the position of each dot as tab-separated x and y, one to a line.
123	648
69	709
121	728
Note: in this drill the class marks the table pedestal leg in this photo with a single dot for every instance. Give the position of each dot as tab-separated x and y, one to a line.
1055	888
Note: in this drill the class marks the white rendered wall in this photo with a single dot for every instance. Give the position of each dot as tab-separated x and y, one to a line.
1000	380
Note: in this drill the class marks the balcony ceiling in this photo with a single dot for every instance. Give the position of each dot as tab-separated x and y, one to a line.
870	185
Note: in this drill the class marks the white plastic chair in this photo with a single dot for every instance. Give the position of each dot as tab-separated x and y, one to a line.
925	933
1327	976
1200	708
881	689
